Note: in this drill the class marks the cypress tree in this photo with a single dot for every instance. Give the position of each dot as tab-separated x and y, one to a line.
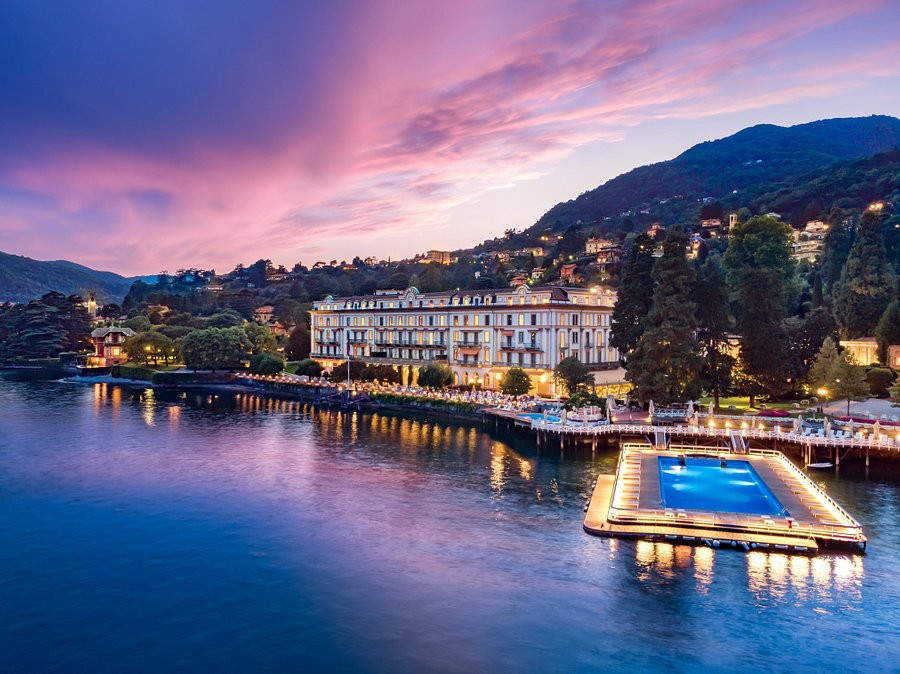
713	322
666	363
866	285
818	295
760	269
634	297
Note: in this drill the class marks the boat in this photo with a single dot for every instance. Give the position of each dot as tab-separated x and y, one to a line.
823	465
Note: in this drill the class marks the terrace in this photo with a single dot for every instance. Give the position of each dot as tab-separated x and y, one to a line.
754	500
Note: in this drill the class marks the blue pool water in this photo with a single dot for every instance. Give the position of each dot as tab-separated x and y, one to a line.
534	415
703	484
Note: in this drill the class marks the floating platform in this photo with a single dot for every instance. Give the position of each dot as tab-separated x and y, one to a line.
765	502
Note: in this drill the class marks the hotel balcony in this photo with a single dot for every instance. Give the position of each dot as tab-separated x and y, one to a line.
524	366
521	346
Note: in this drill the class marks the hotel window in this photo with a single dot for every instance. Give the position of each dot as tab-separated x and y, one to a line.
534	319
509	301
509	319
522	300
487	319
487	335
431	320
534	300
521	319
574	319
443	320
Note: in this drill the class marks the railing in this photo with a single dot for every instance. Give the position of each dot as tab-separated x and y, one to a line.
521	346
852	529
720	433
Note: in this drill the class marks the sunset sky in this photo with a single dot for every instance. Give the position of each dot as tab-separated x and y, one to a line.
139	136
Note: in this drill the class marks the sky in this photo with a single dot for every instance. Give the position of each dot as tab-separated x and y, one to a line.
137	136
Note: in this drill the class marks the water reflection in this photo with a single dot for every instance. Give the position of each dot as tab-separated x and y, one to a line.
771	576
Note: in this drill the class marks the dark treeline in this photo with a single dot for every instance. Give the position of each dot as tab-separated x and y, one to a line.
745	318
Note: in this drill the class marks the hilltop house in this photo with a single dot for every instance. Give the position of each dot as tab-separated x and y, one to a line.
108	346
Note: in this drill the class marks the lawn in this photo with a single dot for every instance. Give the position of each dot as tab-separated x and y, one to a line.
742	405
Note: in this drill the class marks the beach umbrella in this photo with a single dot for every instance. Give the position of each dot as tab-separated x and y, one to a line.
651	409
827	428
690	409
712	408
545	416
796	424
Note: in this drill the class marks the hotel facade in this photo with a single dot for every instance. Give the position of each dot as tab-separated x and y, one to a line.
479	334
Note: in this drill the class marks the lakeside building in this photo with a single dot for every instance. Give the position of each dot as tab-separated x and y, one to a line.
108	346
439	256
479	334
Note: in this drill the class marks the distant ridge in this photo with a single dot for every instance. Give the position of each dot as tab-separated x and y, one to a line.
760	155
23	279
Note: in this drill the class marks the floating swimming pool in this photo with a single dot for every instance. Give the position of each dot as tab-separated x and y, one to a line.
703	484
534	415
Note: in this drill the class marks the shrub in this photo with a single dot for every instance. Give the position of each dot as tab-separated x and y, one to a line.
424	401
309	367
132	372
266	363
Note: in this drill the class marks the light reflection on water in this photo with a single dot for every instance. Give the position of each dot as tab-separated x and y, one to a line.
341	540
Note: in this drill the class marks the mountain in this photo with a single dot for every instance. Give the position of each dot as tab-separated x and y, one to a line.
23	279
766	154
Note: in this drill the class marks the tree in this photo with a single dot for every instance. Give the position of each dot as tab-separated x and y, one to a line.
137	323
298	345
266	363
516	382
110	310
634	297
435	376
713	322
261	338
759	269
879	380
805	338
215	348
887	331
150	346
836	376
571	374
866	285
666	363
818	296
225	319
43	328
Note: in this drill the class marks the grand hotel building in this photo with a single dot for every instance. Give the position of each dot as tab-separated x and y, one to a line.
479	334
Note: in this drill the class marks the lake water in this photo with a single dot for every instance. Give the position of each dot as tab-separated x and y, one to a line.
238	533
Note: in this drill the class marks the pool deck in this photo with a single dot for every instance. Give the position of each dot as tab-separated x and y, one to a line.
628	504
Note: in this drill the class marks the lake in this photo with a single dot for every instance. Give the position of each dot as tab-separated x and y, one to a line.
240	533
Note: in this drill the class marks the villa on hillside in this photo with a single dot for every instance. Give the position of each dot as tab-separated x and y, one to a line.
108	346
